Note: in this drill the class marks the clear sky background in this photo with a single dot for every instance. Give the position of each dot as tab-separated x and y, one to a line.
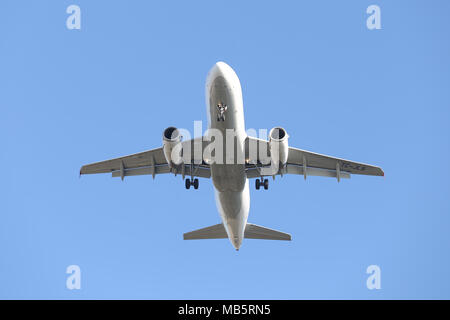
71	97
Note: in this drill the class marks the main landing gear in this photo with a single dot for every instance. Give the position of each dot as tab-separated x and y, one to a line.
190	182
262	182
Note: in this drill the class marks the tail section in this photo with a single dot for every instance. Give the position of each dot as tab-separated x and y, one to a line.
252	231
214	232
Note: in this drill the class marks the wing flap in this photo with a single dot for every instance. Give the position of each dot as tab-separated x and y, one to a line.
199	171
158	169
254	172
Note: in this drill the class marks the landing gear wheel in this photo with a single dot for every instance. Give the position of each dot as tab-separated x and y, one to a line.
257	184
188	183
221	109
266	184
196	183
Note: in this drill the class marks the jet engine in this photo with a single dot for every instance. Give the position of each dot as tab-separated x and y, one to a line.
172	146
278	144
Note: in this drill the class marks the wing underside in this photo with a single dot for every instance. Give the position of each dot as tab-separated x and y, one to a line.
151	162
306	163
300	162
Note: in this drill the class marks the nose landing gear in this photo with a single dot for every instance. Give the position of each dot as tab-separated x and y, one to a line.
221	109
262	182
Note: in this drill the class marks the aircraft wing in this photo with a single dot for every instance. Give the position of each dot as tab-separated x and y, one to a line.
307	163
151	162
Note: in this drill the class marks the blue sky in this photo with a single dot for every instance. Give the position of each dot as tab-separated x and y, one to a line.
71	97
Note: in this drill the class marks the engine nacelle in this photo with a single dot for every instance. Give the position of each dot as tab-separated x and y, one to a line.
172	146
278	144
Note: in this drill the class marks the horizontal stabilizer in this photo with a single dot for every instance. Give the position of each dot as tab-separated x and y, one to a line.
253	231
214	232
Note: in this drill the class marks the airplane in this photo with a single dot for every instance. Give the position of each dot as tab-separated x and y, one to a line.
255	158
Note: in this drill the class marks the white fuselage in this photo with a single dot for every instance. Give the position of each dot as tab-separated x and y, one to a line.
229	180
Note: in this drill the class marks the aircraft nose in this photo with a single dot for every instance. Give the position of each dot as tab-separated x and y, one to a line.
221	69
221	66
